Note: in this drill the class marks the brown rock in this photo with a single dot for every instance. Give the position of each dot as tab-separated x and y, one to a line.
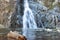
15	36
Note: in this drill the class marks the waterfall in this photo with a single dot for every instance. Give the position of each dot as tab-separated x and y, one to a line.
28	18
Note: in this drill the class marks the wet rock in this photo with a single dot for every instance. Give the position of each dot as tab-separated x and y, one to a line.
43	16
16	19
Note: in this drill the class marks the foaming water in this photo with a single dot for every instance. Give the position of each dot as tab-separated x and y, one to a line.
28	19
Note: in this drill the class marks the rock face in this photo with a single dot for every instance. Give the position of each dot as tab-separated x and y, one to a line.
16	19
11	13
1	26
6	9
44	16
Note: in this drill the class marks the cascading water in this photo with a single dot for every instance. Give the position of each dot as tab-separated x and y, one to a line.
28	18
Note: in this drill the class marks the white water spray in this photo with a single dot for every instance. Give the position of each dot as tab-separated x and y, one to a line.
28	18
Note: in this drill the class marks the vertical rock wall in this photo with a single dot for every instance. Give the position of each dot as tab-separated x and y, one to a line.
16	19
6	9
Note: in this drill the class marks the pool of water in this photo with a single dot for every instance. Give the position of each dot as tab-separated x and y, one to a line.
33	34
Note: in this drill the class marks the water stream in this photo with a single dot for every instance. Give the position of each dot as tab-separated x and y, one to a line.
28	19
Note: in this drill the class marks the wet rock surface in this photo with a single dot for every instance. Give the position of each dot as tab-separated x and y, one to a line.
45	17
